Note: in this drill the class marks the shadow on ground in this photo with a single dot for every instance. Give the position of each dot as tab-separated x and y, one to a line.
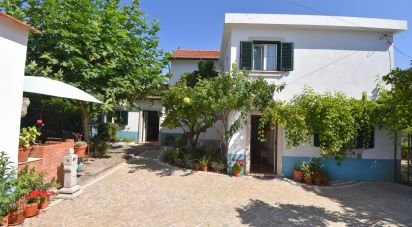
377	204
147	164
256	213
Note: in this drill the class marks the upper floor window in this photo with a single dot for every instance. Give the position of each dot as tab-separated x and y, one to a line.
266	56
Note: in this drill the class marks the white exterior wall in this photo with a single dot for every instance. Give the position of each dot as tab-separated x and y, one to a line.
384	147
13	46
181	66
325	59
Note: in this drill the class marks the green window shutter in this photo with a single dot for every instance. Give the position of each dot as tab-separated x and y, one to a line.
245	55
286	58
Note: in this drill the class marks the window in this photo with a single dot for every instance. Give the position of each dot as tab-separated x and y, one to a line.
266	56
363	140
119	117
258	57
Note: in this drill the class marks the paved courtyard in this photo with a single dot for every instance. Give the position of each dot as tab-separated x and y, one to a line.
145	193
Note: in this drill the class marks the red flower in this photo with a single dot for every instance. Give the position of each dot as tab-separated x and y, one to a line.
40	121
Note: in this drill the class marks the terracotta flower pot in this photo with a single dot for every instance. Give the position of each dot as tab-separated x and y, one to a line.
5	221
297	175
308	180
16	217
31	210
44	203
24	153
236	173
325	181
318	181
196	167
203	168
80	150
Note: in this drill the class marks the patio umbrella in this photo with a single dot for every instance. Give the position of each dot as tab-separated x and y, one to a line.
47	86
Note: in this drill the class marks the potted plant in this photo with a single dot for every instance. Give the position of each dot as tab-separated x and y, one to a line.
46	193
80	164
32	207
196	165
297	173
217	166
204	162
7	184
307	172
16	215
80	148
26	138
237	168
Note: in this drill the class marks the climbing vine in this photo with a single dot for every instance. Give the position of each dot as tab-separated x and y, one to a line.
336	119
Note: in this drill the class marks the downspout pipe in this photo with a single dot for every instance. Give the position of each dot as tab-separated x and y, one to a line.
394	157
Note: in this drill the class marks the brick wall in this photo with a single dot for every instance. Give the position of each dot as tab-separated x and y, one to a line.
51	157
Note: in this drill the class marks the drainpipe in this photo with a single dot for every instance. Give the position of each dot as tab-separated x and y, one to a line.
394	157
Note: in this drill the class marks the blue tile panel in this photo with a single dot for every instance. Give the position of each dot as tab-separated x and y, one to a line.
129	134
349	169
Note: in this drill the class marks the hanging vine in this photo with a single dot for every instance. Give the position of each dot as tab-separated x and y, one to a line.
334	117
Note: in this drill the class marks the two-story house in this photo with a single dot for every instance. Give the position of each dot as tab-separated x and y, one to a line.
327	53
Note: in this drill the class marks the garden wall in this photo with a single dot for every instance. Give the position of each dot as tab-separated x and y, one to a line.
48	158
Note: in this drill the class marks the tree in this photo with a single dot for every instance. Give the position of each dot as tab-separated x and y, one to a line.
205	70
398	100
190	108
197	108
235	95
99	46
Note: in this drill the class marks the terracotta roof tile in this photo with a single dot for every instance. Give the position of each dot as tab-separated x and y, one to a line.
17	21
196	54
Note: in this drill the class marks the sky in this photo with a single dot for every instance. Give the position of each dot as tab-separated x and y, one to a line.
198	24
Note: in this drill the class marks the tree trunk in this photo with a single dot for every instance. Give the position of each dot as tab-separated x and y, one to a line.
85	121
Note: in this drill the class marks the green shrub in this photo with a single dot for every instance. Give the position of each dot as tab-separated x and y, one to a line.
107	132
405	151
7	184
100	148
217	165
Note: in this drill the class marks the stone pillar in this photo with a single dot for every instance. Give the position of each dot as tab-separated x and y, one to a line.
70	189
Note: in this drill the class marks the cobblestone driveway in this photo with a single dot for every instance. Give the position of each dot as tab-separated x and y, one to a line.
144	193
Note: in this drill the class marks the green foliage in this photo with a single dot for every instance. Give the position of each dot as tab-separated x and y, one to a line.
28	135
397	101
125	139
205	71
217	165
189	108
171	156
237	166
336	118
107	132
204	161
106	48
7	184
100	148
197	108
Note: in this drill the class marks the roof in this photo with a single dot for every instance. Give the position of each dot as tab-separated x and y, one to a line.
19	22
336	22
196	54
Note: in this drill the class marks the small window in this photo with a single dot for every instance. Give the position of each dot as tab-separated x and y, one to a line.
120	117
258	57
265	57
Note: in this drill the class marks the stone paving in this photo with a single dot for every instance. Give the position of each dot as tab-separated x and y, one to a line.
146	193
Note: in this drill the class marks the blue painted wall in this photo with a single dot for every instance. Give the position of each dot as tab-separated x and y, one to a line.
349	169
164	135
129	134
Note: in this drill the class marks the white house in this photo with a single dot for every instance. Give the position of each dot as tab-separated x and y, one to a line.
327	53
13	45
143	124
